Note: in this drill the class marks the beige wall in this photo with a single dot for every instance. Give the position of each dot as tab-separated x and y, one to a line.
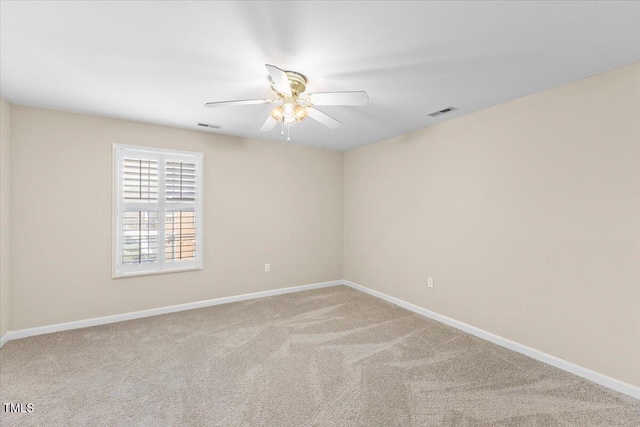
5	191
264	202
527	215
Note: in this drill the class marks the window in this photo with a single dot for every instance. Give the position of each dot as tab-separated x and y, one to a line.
158	210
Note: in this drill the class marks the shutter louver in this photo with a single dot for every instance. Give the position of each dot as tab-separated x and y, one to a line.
139	237
180	181
180	235
140	181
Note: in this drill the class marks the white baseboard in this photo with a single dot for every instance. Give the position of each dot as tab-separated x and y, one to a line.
580	371
24	333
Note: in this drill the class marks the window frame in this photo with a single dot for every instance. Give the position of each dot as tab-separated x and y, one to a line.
162	206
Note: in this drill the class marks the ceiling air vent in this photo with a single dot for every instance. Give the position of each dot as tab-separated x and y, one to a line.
206	125
441	112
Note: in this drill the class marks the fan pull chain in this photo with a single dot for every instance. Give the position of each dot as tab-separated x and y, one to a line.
288	127
282	130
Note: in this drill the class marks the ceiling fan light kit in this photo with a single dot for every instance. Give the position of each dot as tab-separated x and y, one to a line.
293	108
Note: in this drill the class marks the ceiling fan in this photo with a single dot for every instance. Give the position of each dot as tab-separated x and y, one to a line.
293	107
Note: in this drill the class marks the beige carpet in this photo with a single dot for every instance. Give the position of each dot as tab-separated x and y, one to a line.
328	357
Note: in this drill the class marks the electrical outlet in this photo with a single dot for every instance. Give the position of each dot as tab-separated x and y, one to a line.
430	282
267	268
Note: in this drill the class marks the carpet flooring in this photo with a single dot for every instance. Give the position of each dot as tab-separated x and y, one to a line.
326	357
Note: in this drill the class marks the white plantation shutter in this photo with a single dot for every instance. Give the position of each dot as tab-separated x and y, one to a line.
180	181
140	178
180	216
139	237
180	229
158	210
139	223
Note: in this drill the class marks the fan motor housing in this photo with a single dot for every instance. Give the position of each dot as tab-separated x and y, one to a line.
297	81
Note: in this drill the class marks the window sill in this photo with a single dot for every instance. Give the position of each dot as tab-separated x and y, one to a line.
154	273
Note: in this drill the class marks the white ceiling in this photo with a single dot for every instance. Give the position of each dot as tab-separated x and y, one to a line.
159	62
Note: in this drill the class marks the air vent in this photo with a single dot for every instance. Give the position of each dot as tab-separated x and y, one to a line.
206	125
441	112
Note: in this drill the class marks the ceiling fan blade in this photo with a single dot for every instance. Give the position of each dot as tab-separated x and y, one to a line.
280	79
269	124
323	118
339	98
240	102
